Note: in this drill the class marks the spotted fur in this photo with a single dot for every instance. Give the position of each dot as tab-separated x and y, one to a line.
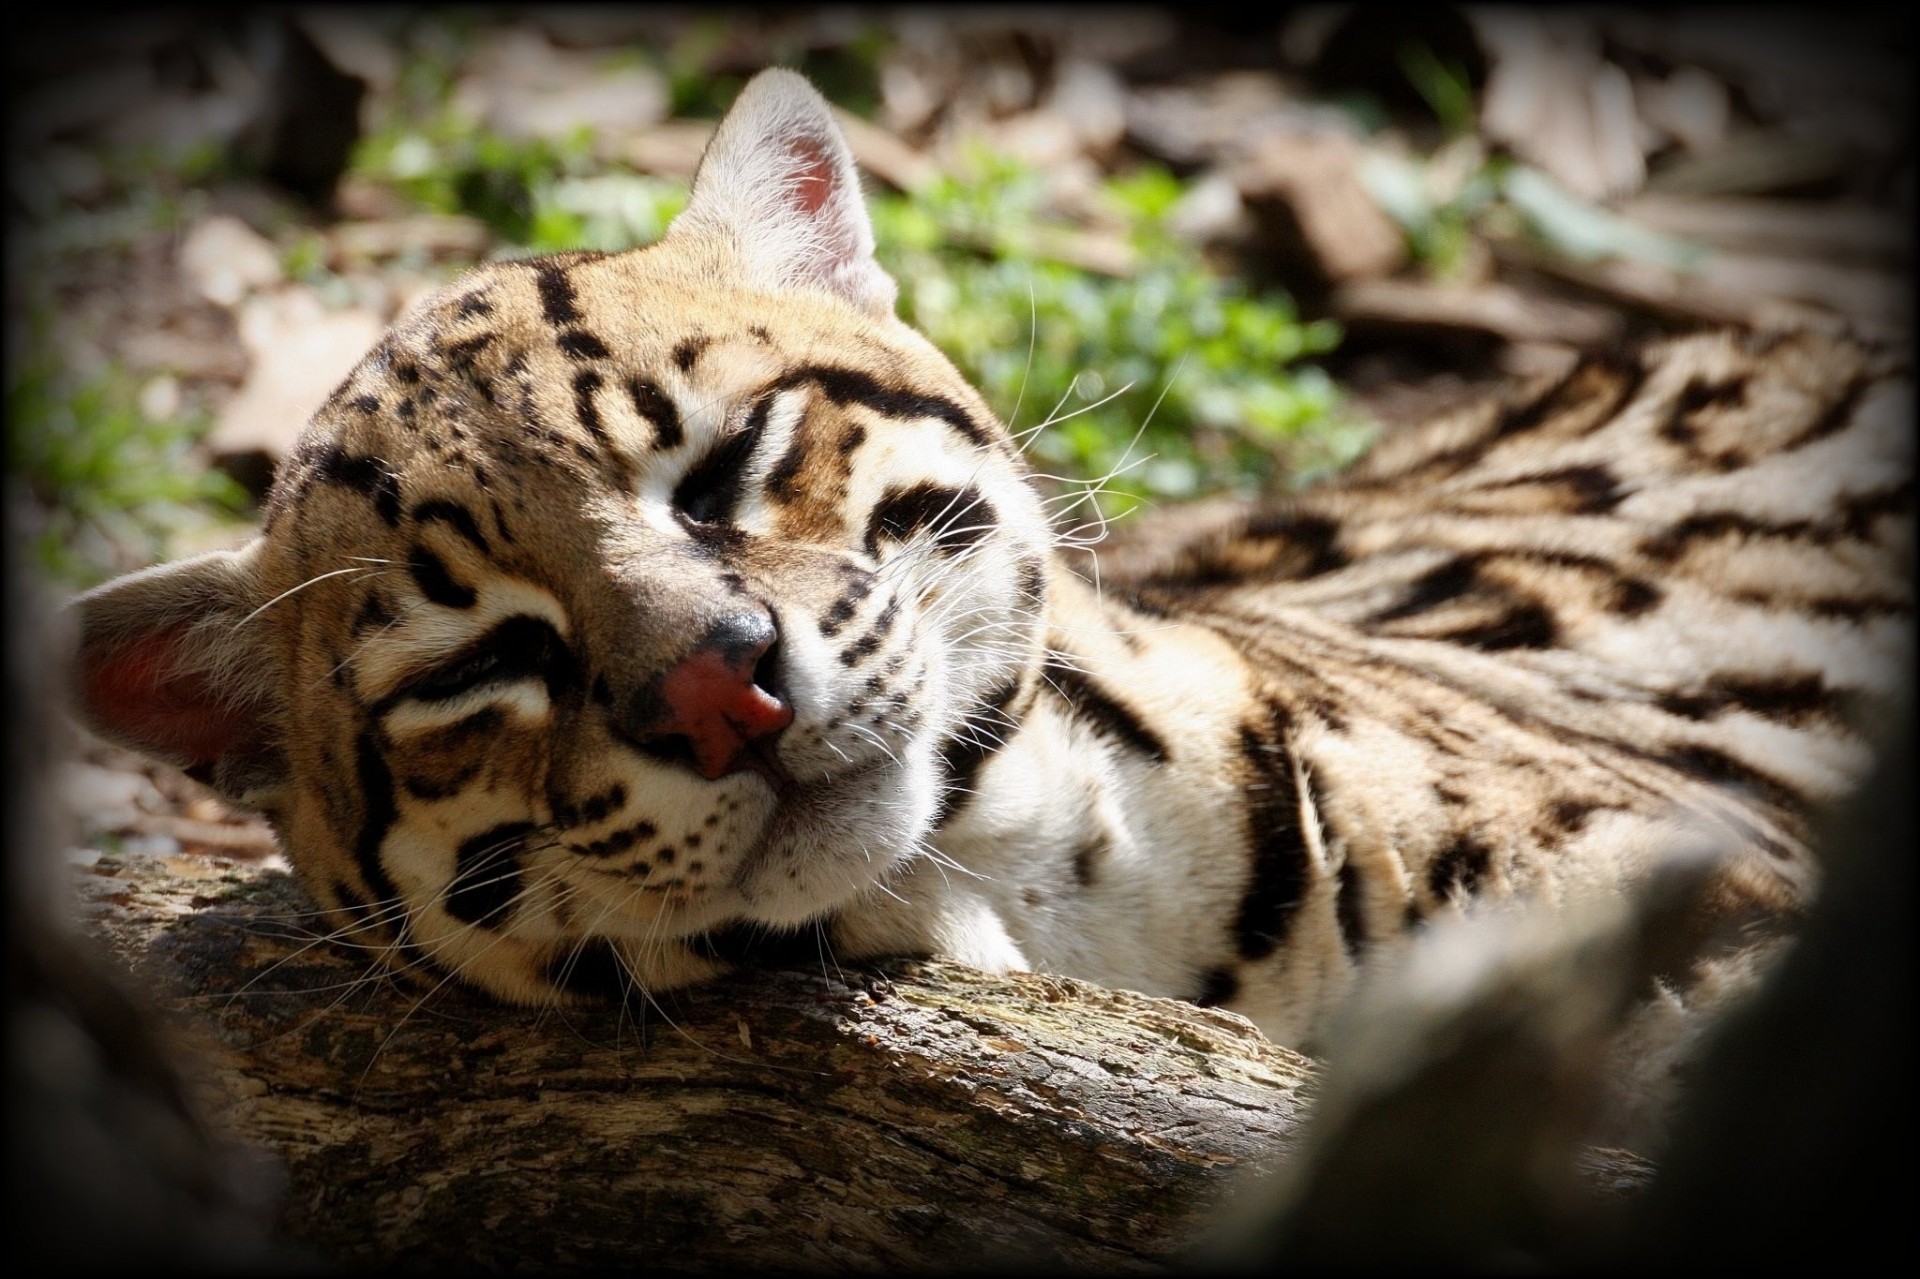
1233	757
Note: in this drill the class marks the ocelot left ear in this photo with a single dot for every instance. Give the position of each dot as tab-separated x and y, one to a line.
778	182
168	665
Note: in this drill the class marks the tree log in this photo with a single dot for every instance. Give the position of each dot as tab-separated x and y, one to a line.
906	1115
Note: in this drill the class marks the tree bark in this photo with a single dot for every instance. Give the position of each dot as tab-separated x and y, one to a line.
909	1115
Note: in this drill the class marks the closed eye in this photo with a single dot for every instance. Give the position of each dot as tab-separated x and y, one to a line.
710	491
520	648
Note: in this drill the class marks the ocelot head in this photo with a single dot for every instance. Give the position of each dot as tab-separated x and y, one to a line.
613	599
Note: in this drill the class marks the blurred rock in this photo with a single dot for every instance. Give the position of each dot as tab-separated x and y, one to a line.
520	85
1557	103
1691	106
1223	116
1315	220
300	351
1409	308
224	260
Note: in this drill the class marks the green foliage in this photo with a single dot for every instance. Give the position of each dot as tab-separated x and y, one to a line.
1168	380
103	475
1171	380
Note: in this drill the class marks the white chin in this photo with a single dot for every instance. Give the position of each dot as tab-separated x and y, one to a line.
838	836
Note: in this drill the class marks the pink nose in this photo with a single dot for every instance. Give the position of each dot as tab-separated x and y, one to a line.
713	703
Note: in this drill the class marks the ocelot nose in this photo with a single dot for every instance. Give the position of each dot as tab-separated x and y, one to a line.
720	699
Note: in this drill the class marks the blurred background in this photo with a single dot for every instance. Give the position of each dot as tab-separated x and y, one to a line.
1182	252
1213	254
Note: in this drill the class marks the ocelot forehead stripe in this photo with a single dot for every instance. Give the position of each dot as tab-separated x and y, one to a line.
845	386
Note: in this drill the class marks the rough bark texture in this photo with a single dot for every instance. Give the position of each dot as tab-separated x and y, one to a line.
917	1115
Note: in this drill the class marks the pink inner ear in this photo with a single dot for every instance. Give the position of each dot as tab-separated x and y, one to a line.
812	169
137	692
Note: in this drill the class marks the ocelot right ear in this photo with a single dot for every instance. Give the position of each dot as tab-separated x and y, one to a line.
779	184
167	664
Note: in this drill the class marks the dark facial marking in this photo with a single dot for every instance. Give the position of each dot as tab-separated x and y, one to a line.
455	516
368	475
1349	909
431	576
486	874
652	404
593	968
709	493
686	353
959	517
984	731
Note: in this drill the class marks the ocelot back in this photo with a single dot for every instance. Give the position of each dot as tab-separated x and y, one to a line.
622	611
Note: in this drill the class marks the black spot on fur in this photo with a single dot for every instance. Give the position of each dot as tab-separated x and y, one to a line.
462	354
686	353
1314	539
377	818
579	344
1349	909
368	475
431	576
782	476
1106	714
473	304
1527	624
1570	815
1436	586
1674	542
1633	596
486	874
1217	986
585	383
1279	851
374	614
1595	488
367	403
1087	858
1463	866
557	297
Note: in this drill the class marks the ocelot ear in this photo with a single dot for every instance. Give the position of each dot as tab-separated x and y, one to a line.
167	664
778	181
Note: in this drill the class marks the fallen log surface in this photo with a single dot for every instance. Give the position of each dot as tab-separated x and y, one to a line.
914	1114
